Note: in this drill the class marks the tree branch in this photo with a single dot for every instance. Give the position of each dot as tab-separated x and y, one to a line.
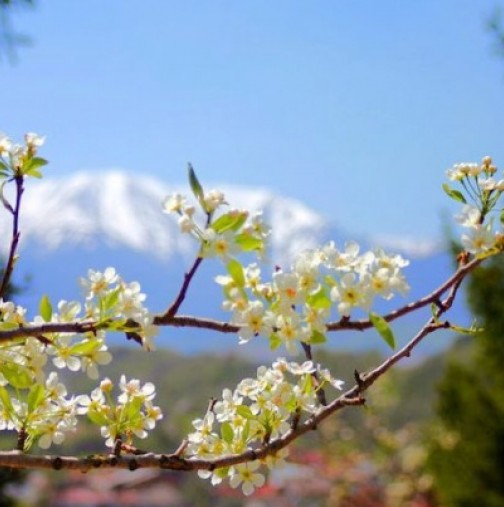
173	309
167	319
9	268
352	397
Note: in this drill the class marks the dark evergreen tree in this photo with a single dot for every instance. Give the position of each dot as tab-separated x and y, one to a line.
467	458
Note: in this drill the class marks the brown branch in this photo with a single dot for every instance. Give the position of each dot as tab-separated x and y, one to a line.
173	309
455	280
9	268
196	322
174	461
226	327
55	327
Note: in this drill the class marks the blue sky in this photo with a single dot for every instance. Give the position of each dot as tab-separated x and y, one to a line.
356	108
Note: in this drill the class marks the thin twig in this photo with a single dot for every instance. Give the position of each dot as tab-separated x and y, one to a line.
173	309
9	268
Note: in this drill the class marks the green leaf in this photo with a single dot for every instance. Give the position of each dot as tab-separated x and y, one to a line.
133	407
229	221
110	300
196	187
6	326
502	217
45	308
468	331
35	173
307	384
275	341
454	194
17	375
381	325
35	396
245	412
85	348
235	270
35	163
248	243
434	310
6	401
98	417
246	431
227	433
317	337
319	300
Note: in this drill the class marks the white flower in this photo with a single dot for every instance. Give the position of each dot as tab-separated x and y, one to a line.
219	245
130	301
97	283
470	216
51	433
460	171
213	199
54	389
186	224
174	203
152	414
325	375
68	310
245	474
350	294
34	141
65	357
90	362
479	239
132	389
286	286
225	410
5	145
290	330
252	322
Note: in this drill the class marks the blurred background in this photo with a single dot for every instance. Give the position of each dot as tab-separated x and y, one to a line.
339	120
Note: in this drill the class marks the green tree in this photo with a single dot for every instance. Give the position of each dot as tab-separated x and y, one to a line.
467	456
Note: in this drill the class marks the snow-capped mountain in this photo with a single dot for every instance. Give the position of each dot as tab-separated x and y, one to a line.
120	210
93	220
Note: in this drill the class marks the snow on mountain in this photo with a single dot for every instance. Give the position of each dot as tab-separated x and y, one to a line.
123	210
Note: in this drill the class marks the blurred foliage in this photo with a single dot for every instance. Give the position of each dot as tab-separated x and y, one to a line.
467	452
10	39
380	458
497	29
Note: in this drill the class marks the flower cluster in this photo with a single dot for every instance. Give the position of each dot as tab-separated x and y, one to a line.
132	415
20	159
223	236
258	410
109	298
296	305
480	194
43	412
